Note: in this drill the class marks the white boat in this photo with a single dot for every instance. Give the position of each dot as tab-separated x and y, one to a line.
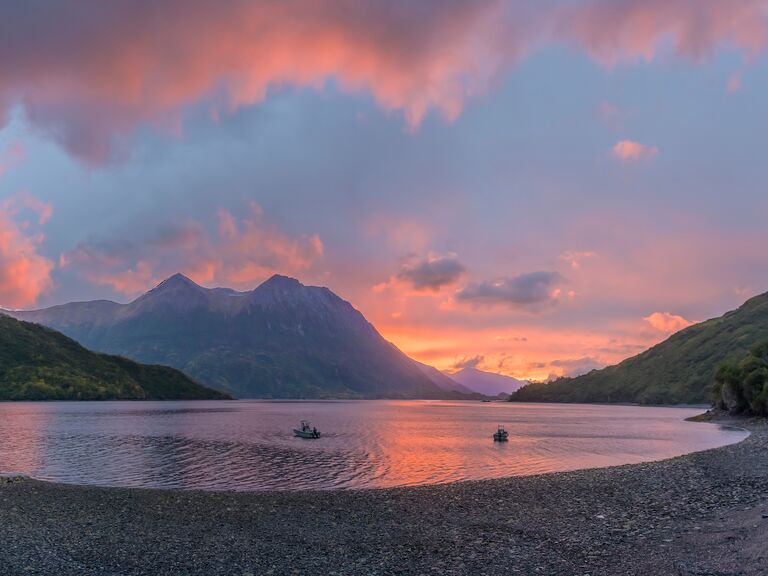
306	431
501	435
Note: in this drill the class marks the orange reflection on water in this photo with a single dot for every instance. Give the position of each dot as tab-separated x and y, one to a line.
416	450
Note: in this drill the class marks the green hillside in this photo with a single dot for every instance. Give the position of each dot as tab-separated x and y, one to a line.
679	370
281	340
37	363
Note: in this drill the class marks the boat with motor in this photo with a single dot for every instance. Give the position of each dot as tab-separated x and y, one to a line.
501	435
306	431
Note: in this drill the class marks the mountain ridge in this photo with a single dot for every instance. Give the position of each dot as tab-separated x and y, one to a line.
487	383
281	339
38	363
679	370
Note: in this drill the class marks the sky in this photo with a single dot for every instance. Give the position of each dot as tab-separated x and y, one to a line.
530	188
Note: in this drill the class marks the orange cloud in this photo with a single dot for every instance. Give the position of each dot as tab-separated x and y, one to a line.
133	64
24	273
91	72
242	252
630	150
666	322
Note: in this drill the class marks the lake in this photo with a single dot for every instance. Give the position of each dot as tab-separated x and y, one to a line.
249	445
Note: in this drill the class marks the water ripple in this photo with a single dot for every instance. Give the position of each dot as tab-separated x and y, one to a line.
249	445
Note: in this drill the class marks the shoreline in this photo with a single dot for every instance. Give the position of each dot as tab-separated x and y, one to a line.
700	513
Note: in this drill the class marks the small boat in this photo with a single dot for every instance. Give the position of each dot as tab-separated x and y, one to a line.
500	435
306	431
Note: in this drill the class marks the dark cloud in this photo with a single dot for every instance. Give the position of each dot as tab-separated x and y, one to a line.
432	274
472	362
525	290
90	72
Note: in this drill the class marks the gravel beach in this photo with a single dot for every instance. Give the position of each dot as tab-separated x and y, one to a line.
703	513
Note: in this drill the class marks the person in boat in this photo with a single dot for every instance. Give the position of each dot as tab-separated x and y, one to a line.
314	431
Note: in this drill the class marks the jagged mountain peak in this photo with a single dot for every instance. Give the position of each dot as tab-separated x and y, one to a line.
280	282
176	292
281	340
284	290
175	282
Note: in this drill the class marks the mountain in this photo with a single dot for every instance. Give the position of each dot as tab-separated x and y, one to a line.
281	340
37	363
680	370
487	383
443	381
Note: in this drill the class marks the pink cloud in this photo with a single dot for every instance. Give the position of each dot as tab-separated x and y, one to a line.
611	31
240	253
666	322
24	201
130	281
24	273
631	150
576	257
91	73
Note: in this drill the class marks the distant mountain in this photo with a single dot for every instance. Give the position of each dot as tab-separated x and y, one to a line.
37	363
487	383
679	370
443	381
281	340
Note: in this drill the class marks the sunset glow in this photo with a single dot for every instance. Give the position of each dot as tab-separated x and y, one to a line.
542	188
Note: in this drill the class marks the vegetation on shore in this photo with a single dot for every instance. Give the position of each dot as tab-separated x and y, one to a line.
680	370
742	387
37	363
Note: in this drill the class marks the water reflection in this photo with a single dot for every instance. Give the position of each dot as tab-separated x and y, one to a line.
21	439
248	445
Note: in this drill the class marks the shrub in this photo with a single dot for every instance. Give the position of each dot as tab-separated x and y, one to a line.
742	388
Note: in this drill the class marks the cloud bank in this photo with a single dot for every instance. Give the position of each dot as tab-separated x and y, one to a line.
239	253
89	73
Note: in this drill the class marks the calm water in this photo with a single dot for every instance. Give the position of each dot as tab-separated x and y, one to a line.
248	445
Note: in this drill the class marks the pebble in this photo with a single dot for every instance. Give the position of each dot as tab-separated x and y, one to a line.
653	517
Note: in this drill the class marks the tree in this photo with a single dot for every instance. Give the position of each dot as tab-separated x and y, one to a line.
742	388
